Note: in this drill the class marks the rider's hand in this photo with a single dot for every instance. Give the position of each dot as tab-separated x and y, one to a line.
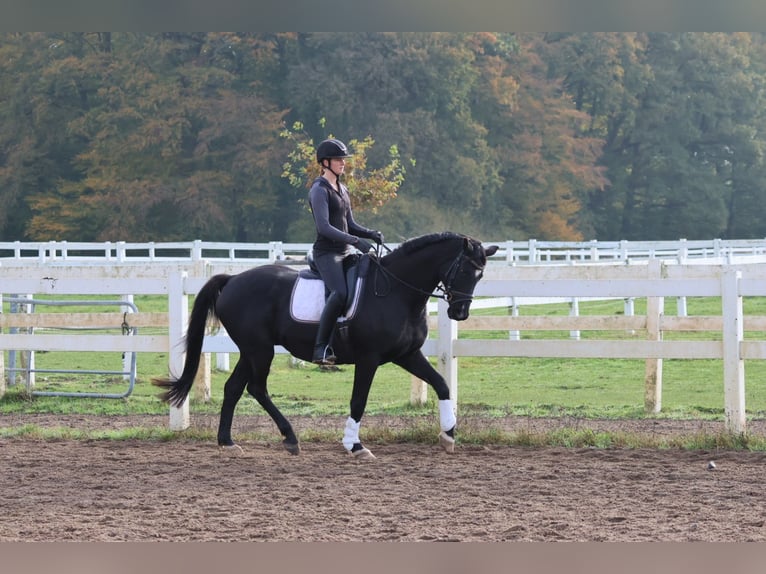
363	245
377	237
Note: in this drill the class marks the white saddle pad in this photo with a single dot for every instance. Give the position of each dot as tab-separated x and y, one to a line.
307	300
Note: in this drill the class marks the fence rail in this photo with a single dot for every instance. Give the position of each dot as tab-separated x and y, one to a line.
511	252
653	279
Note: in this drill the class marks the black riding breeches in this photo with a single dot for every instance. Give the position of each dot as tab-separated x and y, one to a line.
330	266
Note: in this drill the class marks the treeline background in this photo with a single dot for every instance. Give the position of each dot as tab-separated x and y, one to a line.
179	136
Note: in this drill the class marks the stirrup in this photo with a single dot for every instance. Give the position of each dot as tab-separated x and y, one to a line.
323	356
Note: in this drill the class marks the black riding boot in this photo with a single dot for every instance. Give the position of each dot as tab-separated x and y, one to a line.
323	353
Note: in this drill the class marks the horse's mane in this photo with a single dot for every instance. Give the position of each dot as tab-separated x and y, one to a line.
417	243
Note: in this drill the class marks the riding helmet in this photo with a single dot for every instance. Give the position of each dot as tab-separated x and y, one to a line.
331	148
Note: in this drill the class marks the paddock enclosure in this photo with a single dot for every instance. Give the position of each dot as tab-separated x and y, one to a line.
145	490
187	490
730	271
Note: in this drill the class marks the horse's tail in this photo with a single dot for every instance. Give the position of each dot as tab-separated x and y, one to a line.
203	309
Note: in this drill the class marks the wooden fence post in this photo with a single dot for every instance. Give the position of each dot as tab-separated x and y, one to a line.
418	392
2	359
178	318
733	365
203	379
574	311
447	362
515	334
655	308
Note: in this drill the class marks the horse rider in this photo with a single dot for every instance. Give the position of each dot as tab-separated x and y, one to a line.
337	237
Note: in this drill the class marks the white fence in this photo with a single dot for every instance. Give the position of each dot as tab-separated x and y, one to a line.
531	251
654	280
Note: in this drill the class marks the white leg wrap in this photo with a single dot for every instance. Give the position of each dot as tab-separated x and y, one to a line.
447	418
351	433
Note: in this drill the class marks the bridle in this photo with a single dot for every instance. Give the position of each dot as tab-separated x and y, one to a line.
446	293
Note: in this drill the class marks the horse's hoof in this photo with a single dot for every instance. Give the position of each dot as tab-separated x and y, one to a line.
292	447
231	450
447	442
362	454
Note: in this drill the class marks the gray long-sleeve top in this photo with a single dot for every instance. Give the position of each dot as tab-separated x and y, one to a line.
333	217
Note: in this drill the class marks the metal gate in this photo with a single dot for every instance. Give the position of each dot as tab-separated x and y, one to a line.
129	360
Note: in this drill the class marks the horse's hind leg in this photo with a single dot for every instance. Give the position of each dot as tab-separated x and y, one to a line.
232	392
417	364
260	365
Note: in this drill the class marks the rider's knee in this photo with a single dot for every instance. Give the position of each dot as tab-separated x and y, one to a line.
336	298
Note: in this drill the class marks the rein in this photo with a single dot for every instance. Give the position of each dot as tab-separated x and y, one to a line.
447	293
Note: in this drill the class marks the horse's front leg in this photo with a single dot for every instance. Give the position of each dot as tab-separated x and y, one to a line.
417	364
364	372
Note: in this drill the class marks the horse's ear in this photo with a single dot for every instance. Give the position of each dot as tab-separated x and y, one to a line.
491	250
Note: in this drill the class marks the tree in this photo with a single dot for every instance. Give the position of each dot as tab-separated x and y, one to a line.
548	162
692	126
678	121
36	148
176	144
124	136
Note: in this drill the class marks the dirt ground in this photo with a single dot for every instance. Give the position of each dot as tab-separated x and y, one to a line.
148	490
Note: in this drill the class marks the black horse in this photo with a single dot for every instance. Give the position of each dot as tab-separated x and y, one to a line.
389	325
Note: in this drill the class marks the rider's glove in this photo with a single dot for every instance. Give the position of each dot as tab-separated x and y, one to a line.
363	245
